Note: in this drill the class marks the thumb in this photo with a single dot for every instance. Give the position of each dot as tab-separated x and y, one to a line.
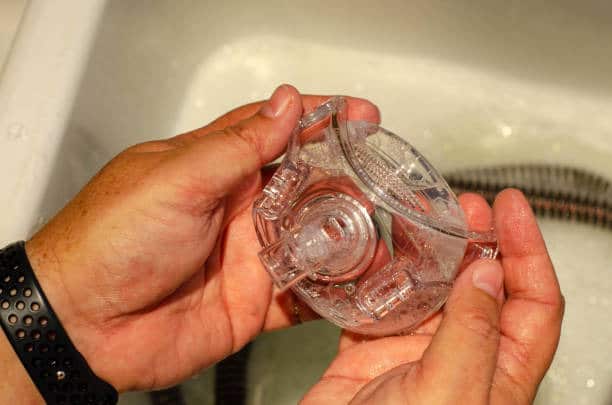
223	159
462	355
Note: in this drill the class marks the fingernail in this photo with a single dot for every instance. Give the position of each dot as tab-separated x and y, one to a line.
488	276
277	104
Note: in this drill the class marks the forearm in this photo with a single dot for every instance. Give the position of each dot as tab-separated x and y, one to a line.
15	384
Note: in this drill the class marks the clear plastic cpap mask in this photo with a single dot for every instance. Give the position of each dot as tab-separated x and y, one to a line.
361	226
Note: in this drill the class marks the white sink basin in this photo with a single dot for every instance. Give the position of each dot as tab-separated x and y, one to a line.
468	83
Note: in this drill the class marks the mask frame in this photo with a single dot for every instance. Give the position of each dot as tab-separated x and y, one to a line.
361	226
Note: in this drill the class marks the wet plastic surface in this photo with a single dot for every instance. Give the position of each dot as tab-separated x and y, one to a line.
360	225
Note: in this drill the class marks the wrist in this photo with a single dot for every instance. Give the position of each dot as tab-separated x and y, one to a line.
42	352
55	277
15	384
47	267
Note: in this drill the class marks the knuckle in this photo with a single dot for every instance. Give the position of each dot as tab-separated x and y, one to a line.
477	321
553	307
516	387
413	374
246	138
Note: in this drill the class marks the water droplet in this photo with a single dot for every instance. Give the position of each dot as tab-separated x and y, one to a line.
506	131
15	131
349	289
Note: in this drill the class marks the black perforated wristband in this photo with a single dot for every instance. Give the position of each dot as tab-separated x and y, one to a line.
58	370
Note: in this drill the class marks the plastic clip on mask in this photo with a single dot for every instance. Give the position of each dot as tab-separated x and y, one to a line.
361	226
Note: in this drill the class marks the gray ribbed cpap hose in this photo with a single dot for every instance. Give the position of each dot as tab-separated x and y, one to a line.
554	191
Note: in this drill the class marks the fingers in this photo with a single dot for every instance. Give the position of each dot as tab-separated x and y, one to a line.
530	274
531	317
478	213
228	155
479	218
375	356
463	353
358	109
458	364
358	364
225	158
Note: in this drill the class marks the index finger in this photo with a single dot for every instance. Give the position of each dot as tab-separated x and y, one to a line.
530	274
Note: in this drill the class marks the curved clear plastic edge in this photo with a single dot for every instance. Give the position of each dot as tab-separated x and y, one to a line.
288	177
303	241
351	149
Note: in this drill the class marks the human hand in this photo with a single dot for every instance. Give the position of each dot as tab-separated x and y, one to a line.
153	267
493	342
